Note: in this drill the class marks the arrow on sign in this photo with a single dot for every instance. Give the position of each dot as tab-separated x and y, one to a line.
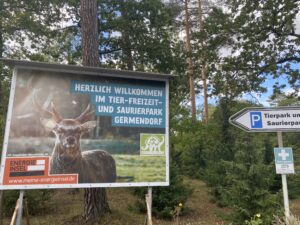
267	119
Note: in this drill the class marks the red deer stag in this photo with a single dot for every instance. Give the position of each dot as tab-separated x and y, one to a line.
93	166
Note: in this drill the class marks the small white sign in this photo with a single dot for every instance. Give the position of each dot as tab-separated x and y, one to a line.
285	169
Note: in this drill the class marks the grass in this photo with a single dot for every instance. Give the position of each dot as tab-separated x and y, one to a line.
66	206
44	145
136	168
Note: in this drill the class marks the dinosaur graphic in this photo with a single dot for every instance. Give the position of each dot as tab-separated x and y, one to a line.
153	144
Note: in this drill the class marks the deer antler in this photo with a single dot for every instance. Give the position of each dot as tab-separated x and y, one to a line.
87	113
44	112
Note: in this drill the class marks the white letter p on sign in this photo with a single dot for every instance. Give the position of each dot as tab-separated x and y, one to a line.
254	119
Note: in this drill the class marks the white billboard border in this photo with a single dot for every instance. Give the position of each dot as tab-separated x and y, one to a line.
85	185
8	123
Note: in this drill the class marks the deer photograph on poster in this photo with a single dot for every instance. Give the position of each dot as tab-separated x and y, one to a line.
68	129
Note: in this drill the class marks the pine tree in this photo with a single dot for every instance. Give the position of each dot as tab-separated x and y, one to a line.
264	42
137	35
250	181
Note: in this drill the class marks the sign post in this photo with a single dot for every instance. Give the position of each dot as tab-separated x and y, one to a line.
283	155
273	120
149	206
20	209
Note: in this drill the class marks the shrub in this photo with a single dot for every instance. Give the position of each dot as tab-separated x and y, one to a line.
165	199
37	201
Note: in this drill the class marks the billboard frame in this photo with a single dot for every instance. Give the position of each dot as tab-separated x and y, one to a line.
80	70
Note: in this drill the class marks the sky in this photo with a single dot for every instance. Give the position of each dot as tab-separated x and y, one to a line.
259	98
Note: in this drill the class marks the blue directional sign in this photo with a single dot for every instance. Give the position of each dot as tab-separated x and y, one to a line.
284	161
267	119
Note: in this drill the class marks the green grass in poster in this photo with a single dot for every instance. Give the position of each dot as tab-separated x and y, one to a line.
136	168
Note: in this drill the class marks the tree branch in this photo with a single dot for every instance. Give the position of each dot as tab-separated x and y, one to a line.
273	30
109	51
288	59
280	61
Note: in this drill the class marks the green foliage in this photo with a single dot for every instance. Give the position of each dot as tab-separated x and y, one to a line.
257	39
5	74
39	30
144	39
293	185
189	144
255	220
290	139
37	201
221	149
250	181
240	167
165	199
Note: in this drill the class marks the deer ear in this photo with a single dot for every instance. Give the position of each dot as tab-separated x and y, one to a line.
49	124
88	126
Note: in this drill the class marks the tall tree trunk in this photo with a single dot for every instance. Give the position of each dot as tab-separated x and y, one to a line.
128	51
89	32
190	60
127	47
203	68
96	203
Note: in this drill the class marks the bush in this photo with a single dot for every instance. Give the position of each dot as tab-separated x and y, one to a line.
37	201
294	183
165	199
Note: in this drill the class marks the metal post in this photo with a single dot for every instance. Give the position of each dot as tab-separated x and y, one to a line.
149	206
1	206
20	210
284	181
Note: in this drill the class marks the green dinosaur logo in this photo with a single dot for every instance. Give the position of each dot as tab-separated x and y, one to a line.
152	144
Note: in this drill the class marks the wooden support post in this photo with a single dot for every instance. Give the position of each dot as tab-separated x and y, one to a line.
20	210
13	219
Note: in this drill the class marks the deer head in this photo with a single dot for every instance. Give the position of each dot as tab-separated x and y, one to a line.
67	131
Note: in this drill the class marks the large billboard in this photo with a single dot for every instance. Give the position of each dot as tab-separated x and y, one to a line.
67	128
